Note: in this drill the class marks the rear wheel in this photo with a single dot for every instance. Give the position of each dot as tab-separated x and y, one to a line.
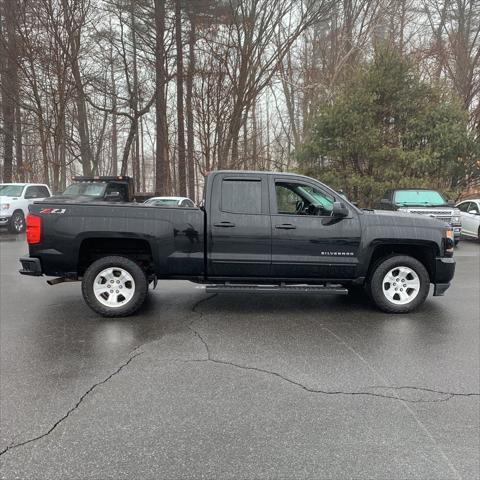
17	222
114	286
399	284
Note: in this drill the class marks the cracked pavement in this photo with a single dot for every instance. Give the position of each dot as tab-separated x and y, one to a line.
237	386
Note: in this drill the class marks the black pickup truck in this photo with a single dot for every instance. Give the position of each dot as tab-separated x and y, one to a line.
256	232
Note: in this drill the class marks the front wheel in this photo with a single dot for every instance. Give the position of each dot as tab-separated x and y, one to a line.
399	284
17	222
114	286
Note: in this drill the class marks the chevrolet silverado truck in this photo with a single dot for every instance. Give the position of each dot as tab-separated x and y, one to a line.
423	201
255	232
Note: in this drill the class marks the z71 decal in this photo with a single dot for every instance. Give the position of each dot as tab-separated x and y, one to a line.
47	211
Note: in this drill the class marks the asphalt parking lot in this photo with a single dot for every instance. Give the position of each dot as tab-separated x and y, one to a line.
237	386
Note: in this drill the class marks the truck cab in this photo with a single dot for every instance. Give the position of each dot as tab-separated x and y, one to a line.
91	189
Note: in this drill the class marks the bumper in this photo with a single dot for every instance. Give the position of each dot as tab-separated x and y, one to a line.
31	266
457	231
444	271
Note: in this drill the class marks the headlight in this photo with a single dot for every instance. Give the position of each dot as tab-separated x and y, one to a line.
5	206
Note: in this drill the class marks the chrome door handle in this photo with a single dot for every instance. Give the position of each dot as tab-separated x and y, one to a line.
285	226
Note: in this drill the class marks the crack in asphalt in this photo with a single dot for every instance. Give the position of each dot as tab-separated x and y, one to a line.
426	389
212	359
82	398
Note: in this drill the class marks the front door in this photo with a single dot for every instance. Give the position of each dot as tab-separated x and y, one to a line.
239	243
307	241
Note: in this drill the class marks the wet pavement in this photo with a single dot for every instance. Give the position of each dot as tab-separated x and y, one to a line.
237	386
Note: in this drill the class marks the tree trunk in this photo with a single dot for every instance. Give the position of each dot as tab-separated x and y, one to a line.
19	142
180	110
128	145
135	99
162	169
9	86
74	35
188	100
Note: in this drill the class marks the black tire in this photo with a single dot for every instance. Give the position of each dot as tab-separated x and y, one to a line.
17	222
140	286
456	242
375	284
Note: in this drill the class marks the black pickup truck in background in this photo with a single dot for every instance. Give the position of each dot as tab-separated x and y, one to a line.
98	189
256	232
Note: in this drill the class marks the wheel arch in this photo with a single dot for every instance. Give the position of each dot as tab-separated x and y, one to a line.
93	248
424	252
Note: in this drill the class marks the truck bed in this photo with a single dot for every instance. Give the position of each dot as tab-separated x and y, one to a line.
175	236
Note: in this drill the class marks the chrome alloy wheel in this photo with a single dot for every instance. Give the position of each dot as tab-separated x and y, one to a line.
401	285
18	223
114	287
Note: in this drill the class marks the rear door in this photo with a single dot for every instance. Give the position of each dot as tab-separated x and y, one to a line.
307	241
239	241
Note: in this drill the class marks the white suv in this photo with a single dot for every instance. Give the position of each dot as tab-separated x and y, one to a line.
14	201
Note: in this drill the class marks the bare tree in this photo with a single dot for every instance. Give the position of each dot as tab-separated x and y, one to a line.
162	175
9	82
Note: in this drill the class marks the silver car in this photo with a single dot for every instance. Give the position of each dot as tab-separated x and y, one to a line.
470	213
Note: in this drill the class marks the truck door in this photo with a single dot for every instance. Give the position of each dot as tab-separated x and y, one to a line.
307	241
239	239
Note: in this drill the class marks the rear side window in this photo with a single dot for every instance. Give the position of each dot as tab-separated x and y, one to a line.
242	196
43	191
33	192
473	207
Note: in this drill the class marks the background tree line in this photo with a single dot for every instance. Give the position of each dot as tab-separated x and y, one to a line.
167	90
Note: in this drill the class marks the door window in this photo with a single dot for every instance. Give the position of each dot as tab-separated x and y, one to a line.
302	199
241	196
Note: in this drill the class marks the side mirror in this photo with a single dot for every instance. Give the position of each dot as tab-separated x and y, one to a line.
339	210
384	204
473	212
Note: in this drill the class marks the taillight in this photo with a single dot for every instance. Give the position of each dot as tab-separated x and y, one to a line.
34	229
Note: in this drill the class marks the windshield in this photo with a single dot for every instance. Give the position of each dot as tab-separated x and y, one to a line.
163	201
429	198
88	189
11	190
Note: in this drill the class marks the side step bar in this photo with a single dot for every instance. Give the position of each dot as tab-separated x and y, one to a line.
282	288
